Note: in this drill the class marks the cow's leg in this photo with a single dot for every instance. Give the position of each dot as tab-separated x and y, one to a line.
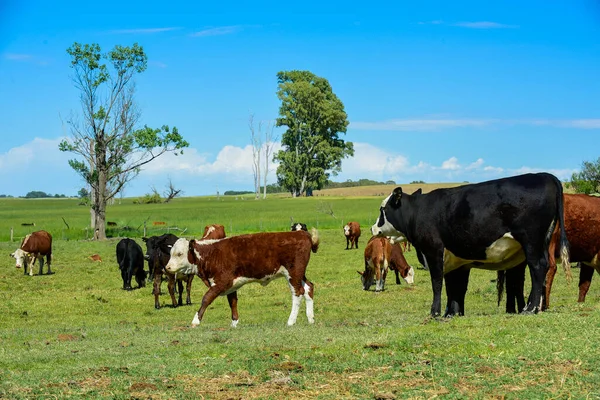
356	243
41	262
297	289
549	279
585	280
378	265
156	289
49	262
515	282
180	289
208	298
31	264
309	295
232	299
397	276
171	287
435	265
348	242
538	266
456	288
188	289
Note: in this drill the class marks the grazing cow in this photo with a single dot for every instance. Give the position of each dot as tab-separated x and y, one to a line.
214	231
380	254
493	225
226	265
95	257
111	223
34	246
131	263
582	227
298	226
352	233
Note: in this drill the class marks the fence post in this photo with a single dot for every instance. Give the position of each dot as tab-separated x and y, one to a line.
144	228
11	233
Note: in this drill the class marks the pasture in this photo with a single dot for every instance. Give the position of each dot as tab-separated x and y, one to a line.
76	334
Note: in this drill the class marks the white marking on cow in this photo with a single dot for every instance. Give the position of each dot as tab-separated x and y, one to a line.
310	314
502	254
209	231
410	276
298	227
234	323
295	308
595	262
195	321
178	263
264	281
346	230
386	228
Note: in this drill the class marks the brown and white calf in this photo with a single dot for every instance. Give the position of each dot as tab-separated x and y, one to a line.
352	233
381	254
228	264
34	246
214	231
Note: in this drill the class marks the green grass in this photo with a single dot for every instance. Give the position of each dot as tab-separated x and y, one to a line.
76	334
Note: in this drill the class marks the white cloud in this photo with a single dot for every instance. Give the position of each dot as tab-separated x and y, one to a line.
440	124
222	30
476	164
451	164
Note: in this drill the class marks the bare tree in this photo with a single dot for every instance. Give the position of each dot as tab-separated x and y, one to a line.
256	140
268	150
112	148
171	192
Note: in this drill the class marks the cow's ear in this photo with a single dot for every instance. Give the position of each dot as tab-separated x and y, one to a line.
418	191
396	195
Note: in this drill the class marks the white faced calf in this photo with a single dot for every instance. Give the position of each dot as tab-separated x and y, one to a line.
225	265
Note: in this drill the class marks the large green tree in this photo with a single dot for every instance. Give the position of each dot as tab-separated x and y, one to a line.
314	117
107	138
588	179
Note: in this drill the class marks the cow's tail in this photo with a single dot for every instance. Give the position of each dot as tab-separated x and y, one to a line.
500	285
314	238
564	243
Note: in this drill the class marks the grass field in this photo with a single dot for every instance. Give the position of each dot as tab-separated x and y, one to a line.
76	334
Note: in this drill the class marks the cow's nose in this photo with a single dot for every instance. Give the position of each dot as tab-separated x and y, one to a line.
375	230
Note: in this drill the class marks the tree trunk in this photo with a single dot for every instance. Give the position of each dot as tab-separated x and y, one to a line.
101	199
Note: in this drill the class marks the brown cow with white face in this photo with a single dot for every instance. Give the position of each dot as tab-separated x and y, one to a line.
352	233
228	264
381	254
34	246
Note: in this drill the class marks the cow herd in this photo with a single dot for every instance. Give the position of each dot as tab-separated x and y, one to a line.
502	225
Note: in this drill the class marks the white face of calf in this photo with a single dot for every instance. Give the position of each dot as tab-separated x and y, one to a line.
347	230
410	277
23	258
179	258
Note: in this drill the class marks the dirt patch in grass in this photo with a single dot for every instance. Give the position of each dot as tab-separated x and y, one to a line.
64	337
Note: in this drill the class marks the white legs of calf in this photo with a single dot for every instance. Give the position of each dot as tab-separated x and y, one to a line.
234	322
195	321
310	313
295	307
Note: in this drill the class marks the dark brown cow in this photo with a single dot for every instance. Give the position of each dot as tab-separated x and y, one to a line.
214	231
226	265
380	254
34	246
352	233
582	226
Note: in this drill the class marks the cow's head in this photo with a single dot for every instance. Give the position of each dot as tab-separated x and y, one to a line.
347	230
23	259
298	226
387	223
179	262
367	278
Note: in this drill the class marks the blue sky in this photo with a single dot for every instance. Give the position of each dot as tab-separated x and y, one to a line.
434	90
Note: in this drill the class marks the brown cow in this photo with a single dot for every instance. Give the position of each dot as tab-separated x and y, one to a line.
34	246
380	254
582	226
214	231
95	257
352	233
226	265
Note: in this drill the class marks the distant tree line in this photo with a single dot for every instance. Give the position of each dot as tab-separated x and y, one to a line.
351	183
36	194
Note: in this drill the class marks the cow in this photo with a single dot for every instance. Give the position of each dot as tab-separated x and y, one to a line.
214	231
95	257
493	225
298	226
582	227
34	246
226	265
381	253
131	263
352	233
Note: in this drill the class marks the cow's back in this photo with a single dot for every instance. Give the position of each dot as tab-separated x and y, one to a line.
582	225
37	242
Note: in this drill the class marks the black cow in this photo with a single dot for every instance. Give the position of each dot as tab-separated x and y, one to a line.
131	262
158	253
299	226
494	225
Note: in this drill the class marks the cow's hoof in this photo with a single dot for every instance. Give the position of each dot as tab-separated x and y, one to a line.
157	307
